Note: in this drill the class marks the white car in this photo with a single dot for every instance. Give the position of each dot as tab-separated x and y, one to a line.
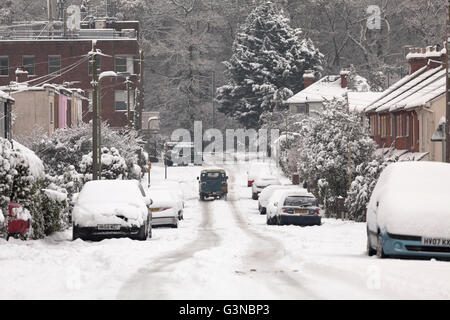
175	190
265	195
254	171
112	209
298	207
409	211
164	208
261	183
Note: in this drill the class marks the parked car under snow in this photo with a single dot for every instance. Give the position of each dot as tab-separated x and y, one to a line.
261	183
409	211
112	209
165	208
267	193
293	207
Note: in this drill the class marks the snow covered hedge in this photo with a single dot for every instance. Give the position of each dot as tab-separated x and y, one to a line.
332	145
113	165
363	185
22	181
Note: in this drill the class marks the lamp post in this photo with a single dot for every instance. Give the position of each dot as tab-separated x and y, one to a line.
103	75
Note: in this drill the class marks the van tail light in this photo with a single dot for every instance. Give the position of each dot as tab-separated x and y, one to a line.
203	184
317	211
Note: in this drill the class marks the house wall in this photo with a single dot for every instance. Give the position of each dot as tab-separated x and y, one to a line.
428	121
71	52
400	129
31	109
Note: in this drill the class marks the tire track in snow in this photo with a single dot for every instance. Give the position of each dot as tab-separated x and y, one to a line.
154	282
263	255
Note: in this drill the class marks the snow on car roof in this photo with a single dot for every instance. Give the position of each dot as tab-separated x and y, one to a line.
112	191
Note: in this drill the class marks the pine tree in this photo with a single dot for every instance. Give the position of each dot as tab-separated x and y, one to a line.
269	58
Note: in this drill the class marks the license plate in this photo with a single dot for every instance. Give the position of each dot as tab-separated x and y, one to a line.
301	211
155	209
435	242
105	227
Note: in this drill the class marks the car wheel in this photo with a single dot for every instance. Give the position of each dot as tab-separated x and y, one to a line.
75	233
254	196
142	234
380	251
268	221
262	211
202	197
370	251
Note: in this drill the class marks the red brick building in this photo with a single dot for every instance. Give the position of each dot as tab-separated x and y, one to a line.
408	112
65	57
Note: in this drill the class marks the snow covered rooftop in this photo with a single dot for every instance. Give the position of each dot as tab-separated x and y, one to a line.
358	101
412	91
326	89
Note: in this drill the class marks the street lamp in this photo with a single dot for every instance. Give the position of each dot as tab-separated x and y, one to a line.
103	75
149	146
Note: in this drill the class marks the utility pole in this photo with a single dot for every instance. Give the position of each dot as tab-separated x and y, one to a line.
138	125
99	131
447	100
128	102
94	112
213	93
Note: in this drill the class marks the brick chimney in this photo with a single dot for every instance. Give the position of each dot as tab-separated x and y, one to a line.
21	75
434	56
416	59
344	77
308	78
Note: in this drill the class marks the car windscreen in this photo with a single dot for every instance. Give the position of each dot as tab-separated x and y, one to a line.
300	201
211	175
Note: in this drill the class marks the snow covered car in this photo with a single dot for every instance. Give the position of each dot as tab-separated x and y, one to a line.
112	209
164	208
297	207
265	195
409	211
175	190
262	182
254	172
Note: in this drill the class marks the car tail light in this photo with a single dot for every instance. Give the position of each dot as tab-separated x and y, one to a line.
224	182
167	208
13	212
285	210
250	182
317	211
203	184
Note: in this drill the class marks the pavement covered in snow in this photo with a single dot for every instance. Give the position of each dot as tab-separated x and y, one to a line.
221	250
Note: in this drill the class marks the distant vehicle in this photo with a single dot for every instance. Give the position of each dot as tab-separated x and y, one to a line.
265	195
112	209
409	211
294	207
262	182
164	207
177	149
255	170
176	192
213	183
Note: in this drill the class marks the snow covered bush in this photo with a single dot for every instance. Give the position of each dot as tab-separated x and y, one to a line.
50	211
66	147
332	145
363	185
113	165
268	60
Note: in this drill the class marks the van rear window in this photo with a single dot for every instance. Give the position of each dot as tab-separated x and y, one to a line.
211	175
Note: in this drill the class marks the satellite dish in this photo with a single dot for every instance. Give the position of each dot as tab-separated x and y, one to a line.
73	17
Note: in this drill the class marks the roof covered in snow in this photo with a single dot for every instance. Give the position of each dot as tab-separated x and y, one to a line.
358	101
326	89
412	91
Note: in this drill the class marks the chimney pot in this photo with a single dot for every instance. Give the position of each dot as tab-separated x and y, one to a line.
308	78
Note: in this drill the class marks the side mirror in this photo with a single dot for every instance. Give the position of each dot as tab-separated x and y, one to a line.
198	178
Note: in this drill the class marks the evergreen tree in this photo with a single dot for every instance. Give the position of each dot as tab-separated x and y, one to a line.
268	61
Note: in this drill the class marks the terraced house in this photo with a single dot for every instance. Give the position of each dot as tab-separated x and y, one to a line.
407	114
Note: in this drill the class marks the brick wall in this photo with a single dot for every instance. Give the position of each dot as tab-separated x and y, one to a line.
70	52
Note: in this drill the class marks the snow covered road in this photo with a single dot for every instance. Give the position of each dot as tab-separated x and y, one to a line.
222	250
